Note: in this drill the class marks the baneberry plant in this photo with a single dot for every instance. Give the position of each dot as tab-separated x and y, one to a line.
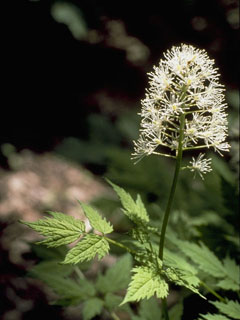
184	109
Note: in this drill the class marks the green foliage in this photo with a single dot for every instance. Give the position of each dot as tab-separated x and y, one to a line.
230	308
92	308
87	249
56	277
144	284
202	256
210	316
51	267
183	265
181	278
135	211
97	222
231	275
175	313
112	301
59	230
176	261
228	271
116	277
148	310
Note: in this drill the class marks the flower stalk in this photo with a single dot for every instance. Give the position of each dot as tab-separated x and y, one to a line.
173	187
184	109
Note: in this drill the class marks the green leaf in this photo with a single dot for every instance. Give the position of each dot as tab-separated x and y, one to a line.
70	292
231	281
176	261
87	249
59	230
210	316
202	256
141	210
140	234
92	308
112	301
181	278
144	284
135	211
97	222
150	309
176	312
50	267
117	277
230	308
45	253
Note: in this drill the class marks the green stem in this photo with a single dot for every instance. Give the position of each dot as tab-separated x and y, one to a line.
212	291
114	316
120	245
169	204
173	188
79	273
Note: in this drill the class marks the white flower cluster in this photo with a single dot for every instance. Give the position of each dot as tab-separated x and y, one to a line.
185	82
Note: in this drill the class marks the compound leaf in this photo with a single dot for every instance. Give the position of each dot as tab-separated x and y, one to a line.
144	284
97	222
60	230
87	249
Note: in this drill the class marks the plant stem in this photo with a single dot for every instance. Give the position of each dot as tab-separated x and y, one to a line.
118	244
114	316
169	204
79	273
173	188
212	291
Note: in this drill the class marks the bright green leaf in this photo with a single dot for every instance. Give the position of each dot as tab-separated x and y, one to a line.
181	278
87	249
97	222
59	230
135	211
144	284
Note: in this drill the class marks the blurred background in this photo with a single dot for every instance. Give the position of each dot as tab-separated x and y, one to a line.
74	73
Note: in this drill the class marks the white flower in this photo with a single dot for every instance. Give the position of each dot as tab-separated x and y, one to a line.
185	83
200	165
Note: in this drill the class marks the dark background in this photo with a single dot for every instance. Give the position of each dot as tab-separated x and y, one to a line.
51	80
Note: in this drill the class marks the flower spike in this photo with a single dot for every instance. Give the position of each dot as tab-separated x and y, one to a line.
185	82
